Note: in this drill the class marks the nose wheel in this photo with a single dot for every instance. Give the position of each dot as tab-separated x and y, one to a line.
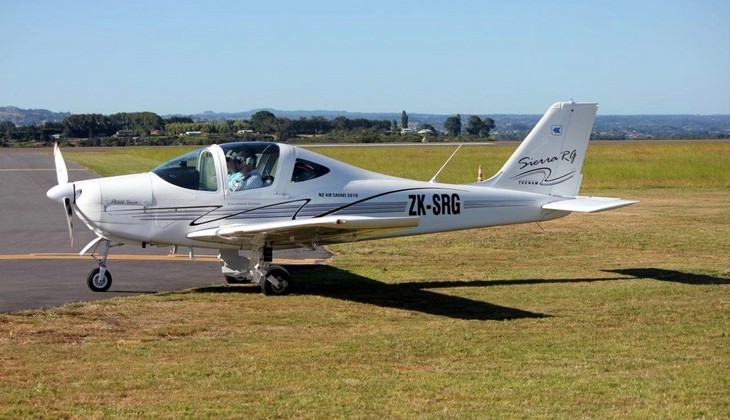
99	279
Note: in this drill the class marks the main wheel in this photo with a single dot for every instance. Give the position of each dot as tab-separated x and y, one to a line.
98	283
282	276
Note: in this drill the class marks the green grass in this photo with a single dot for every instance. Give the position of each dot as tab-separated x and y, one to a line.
123	160
618	314
687	165
637	165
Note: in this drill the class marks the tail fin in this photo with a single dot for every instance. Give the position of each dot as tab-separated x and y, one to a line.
549	160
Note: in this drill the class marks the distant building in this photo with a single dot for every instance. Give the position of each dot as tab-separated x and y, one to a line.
122	134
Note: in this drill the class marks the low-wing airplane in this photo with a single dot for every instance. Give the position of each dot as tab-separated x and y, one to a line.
288	197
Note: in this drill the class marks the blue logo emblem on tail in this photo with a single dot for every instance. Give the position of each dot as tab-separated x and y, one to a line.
556	130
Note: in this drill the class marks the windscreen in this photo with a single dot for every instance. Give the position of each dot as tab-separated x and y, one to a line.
193	170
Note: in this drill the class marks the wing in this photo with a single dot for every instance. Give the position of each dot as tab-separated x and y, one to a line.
588	204
306	232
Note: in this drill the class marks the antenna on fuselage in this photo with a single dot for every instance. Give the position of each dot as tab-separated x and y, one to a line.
445	163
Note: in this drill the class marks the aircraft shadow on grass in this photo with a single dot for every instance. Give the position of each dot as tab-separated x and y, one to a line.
671	276
335	283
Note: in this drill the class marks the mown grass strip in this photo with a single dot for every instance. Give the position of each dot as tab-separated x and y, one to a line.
619	314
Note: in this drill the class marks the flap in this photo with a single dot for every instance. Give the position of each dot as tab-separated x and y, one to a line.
319	230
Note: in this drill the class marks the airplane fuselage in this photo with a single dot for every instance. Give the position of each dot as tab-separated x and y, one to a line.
143	208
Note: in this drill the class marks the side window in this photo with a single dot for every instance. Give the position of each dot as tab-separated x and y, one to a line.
305	170
206	167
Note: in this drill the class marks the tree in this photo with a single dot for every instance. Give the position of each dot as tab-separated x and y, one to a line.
283	129
49	129
177	119
264	122
453	125
321	125
311	126
6	130
487	126
403	119
341	123
474	125
86	125
144	122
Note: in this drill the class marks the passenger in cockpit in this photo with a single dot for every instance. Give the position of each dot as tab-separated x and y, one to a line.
233	162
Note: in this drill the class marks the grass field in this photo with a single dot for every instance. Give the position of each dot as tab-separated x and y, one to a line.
617	314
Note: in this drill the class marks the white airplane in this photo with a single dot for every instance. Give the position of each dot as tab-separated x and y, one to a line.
303	199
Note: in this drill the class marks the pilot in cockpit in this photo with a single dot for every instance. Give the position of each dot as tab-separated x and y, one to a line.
242	173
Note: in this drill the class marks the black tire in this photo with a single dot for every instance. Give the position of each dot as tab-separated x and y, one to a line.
96	283
284	278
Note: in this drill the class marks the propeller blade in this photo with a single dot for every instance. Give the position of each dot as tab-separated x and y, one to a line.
63	191
61	171
69	219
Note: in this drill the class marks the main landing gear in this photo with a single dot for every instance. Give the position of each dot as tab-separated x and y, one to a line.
272	279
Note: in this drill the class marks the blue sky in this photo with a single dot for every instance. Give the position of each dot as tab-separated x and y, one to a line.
470	57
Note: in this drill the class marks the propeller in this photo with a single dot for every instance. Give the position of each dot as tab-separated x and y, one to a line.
61	171
63	192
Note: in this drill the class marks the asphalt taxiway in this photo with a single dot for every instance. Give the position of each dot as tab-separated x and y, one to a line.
39	268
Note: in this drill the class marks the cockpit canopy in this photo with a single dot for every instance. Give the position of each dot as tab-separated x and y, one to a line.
196	170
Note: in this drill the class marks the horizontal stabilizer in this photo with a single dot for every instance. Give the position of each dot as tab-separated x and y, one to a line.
588	204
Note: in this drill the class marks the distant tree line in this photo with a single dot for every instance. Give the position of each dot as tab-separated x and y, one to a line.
149	128
98	125
88	126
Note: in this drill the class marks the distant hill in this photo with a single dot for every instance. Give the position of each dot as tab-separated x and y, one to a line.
626	127
508	126
516	126
222	116
21	117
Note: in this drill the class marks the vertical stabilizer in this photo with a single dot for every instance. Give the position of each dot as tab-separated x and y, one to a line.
549	160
